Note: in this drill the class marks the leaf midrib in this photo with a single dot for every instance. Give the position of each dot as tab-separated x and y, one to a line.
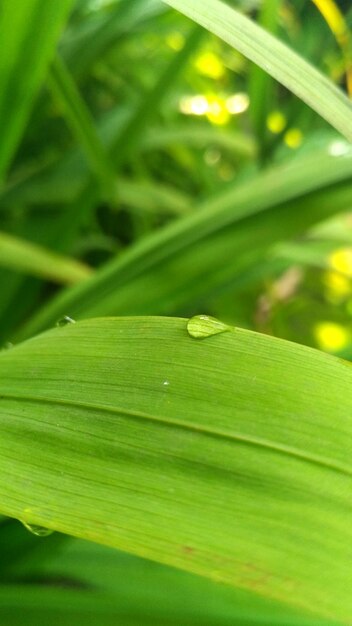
192	427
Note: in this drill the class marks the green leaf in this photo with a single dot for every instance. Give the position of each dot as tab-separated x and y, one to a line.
200	136
34	605
285	65
226	456
92	37
153	198
29	258
260	83
29	31
22	553
114	588
79	119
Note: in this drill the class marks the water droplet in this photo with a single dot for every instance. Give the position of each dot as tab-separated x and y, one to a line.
63	321
166	383
202	326
39	531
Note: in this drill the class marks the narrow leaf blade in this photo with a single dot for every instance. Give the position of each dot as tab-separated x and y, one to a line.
24	62
29	258
289	68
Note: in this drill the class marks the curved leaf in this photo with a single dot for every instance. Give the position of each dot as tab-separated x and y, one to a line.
288	67
227	456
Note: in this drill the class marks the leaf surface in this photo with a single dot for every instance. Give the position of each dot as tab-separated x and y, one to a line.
228	456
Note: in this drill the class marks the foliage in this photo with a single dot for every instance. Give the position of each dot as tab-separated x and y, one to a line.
151	171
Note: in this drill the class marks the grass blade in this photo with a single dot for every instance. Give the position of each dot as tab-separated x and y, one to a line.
131	134
79	119
29	258
285	65
23	67
196	135
261	83
90	41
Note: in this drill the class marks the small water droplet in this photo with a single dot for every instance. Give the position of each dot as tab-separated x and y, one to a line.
166	383
202	326
39	531
63	321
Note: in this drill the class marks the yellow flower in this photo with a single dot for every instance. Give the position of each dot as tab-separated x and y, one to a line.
331	337
293	138
276	122
341	261
209	64
217	111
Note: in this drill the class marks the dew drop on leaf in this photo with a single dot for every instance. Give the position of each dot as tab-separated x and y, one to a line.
39	531
202	326
63	321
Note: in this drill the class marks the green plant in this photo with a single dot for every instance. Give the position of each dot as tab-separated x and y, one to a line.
137	185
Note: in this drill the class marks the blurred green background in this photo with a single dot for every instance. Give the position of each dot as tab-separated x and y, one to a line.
145	118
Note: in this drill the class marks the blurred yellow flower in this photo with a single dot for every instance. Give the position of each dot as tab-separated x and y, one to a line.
341	261
331	337
276	122
209	64
293	138
217	112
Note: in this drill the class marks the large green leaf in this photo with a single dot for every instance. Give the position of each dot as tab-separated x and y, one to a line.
288	67
29	31
226	456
